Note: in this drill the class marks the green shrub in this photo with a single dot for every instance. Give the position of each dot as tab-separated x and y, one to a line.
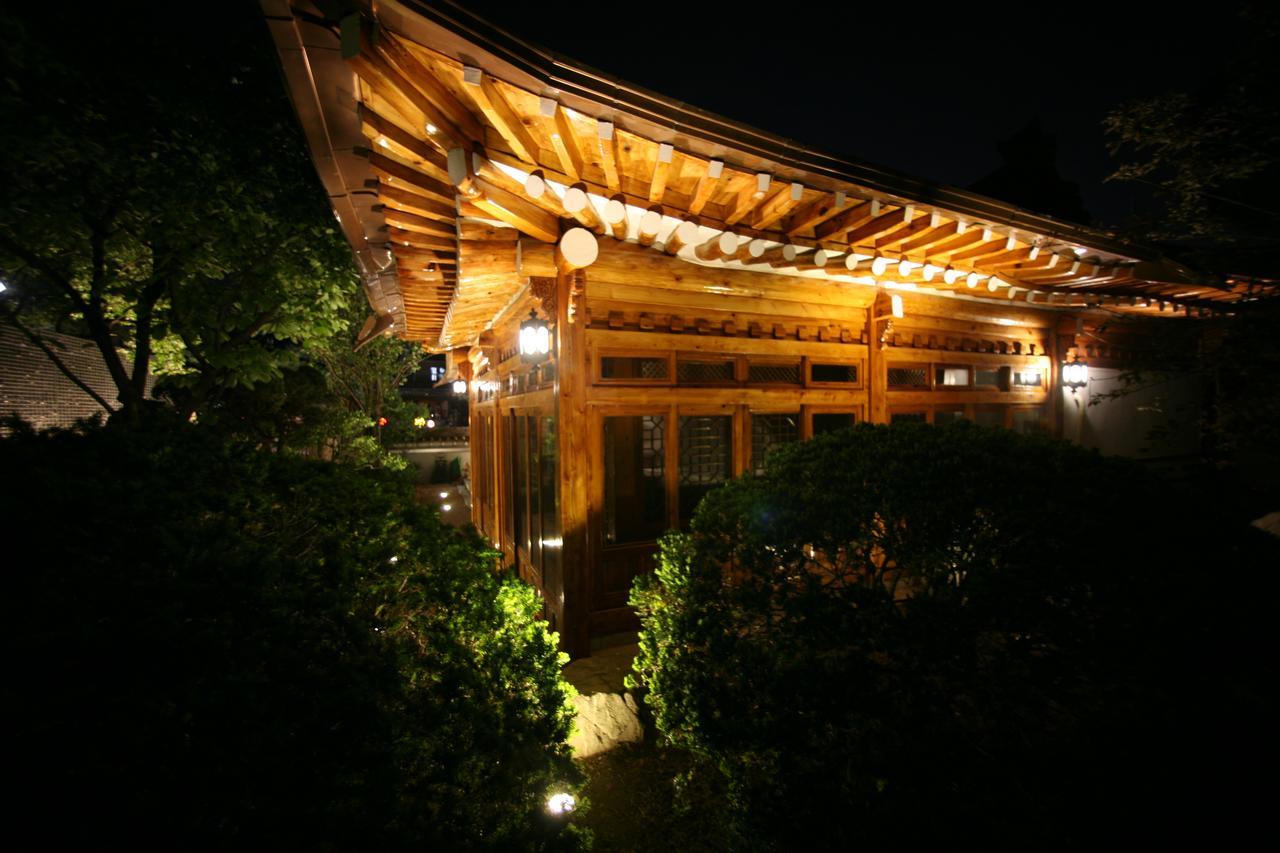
213	646
909	634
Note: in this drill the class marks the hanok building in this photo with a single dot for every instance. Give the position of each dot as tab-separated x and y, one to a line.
707	290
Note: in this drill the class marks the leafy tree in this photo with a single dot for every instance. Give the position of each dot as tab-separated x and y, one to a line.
159	200
239	648
912	634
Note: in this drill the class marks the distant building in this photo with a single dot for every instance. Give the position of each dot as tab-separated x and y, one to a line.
33	388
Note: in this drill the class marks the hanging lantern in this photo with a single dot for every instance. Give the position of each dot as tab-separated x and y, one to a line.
460	386
1075	373
535	339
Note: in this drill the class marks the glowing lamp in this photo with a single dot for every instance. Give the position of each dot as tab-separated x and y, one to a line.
431	423
535	339
419	421
460	386
1075	373
382	422
561	804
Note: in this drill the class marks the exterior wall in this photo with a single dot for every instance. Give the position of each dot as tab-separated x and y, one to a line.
808	348
1159	419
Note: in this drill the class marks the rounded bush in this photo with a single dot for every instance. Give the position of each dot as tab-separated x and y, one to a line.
917	633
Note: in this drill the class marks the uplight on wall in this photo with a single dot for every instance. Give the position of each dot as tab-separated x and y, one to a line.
535	339
1075	373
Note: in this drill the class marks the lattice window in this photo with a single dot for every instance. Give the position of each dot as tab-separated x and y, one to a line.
908	418
696	372
1027	421
653	444
908	377
549	372
768	432
843	373
633	367
774	374
704	450
947	416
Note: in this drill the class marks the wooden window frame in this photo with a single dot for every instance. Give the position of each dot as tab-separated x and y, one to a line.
766	361
737	362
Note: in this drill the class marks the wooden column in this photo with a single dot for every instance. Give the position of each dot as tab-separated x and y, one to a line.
568	595
877	366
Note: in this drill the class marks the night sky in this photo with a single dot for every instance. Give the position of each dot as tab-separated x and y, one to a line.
925	88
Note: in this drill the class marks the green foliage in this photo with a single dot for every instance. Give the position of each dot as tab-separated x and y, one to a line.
1212	155
928	634
159	198
236	648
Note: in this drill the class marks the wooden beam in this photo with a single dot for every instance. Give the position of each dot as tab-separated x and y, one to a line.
406	199
424	155
724	243
816	212
836	227
421	76
503	205
779	205
956	243
489	98
407	98
649	225
749	198
902	233
417	181
930	238
874	227
661	167
684	234
607	144
420	241
578	248
615	217
706	186
564	140
413	222
577	203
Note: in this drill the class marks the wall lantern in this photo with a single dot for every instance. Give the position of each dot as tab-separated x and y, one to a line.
460	386
535	339
1075	373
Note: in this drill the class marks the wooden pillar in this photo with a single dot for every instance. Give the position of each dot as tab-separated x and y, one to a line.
568	595
877	365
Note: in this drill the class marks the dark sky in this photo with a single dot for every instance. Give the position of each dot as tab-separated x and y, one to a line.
923	87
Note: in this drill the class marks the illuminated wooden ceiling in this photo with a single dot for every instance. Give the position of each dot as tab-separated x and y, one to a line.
451	144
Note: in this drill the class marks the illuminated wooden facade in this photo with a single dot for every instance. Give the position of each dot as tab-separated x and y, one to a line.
712	290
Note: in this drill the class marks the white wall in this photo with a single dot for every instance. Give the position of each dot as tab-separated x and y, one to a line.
1124	426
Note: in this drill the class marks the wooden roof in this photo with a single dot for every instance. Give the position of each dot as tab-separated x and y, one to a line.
458	126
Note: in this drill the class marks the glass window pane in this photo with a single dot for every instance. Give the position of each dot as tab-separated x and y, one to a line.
954	376
549	494
1026	378
947	416
769	432
987	376
831	421
907	418
635	485
1027	421
846	373
534	514
989	417
706	458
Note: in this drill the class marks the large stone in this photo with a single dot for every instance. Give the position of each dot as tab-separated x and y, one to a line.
604	721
